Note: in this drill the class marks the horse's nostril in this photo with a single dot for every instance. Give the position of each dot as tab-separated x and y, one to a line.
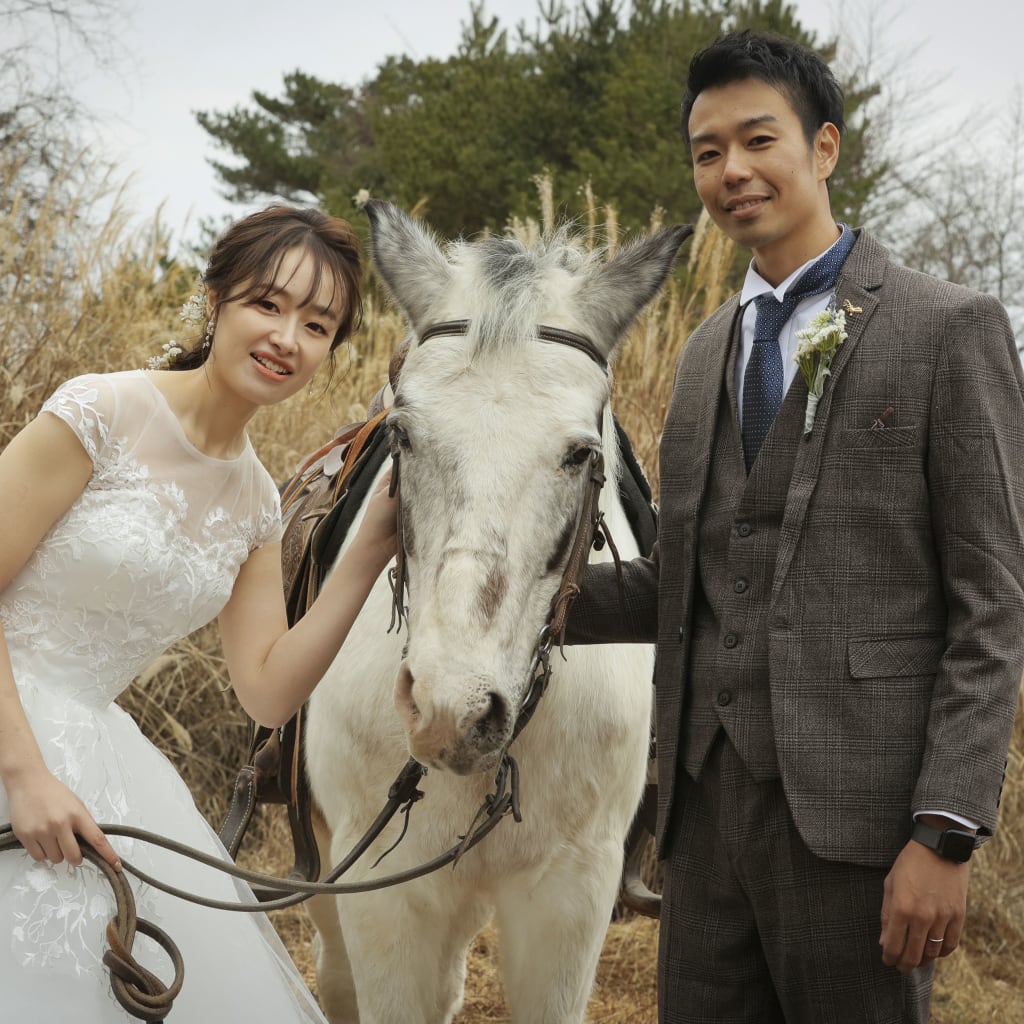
493	720
403	691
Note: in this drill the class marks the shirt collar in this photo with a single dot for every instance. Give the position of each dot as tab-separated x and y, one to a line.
754	284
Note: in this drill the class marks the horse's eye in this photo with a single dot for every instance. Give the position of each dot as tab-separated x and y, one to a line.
579	456
400	437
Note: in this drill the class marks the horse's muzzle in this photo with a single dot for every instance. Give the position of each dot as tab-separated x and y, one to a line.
464	731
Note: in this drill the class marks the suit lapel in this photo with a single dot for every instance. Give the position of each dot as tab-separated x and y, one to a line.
857	294
711	369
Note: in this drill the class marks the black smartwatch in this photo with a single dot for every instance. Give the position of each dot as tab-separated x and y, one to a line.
952	843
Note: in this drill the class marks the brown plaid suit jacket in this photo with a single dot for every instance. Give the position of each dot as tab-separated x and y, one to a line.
896	624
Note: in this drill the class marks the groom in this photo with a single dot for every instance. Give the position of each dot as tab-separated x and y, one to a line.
839	613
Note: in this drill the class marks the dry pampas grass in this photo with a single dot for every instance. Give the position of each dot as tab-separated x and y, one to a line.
81	291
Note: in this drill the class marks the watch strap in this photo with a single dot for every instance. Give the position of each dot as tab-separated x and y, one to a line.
951	843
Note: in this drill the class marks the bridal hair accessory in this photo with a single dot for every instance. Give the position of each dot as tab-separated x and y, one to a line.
193	313
816	346
193	310
171	352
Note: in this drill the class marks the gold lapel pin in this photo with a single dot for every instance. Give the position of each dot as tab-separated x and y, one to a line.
850	308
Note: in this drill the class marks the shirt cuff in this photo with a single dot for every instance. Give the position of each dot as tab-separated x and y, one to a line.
966	822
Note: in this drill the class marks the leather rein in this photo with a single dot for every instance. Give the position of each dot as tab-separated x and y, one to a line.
142	994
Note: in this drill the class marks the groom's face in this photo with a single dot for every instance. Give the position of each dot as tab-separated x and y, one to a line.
759	177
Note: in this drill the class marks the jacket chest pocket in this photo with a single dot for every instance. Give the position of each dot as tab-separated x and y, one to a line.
887	439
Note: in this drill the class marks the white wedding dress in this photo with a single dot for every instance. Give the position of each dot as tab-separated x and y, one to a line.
147	554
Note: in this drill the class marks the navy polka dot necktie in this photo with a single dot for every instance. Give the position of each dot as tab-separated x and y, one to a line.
764	376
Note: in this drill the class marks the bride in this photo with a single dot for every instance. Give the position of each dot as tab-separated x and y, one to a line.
135	510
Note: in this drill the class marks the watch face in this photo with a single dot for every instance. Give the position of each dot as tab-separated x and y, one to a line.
956	845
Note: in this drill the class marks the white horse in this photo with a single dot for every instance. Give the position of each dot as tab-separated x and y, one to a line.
494	430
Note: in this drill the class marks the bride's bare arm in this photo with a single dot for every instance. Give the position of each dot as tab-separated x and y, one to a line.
42	471
273	669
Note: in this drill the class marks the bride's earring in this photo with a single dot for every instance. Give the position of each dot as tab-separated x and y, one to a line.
208	334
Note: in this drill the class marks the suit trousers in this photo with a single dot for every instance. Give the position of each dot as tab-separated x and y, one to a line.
756	929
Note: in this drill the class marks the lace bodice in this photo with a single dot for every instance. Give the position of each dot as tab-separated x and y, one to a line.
147	554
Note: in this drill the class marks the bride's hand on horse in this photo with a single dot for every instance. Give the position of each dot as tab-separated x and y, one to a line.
48	819
379	528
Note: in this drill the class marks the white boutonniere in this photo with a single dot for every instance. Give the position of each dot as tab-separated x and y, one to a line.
816	346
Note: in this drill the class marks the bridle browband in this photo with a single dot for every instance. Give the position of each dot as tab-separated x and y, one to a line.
557	335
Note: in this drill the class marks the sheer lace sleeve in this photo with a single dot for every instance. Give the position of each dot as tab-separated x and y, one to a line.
269	529
87	405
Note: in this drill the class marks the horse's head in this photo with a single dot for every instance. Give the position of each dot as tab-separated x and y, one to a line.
495	431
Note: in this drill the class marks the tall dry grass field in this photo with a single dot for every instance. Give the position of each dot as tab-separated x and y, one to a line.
80	291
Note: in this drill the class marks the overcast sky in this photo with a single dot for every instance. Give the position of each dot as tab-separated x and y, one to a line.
211	54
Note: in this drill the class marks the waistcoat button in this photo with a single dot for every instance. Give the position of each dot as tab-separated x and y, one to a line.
744	529
730	640
724	698
741	585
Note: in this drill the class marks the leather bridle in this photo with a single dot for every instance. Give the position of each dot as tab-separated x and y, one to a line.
591	531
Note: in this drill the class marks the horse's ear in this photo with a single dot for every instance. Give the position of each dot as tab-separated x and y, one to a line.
409	260
628	281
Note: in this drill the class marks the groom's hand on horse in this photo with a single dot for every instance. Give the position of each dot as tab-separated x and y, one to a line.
48	819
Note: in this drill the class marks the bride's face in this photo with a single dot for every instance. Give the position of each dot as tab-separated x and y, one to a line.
268	347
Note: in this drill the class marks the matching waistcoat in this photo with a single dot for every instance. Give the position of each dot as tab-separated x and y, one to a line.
740	519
